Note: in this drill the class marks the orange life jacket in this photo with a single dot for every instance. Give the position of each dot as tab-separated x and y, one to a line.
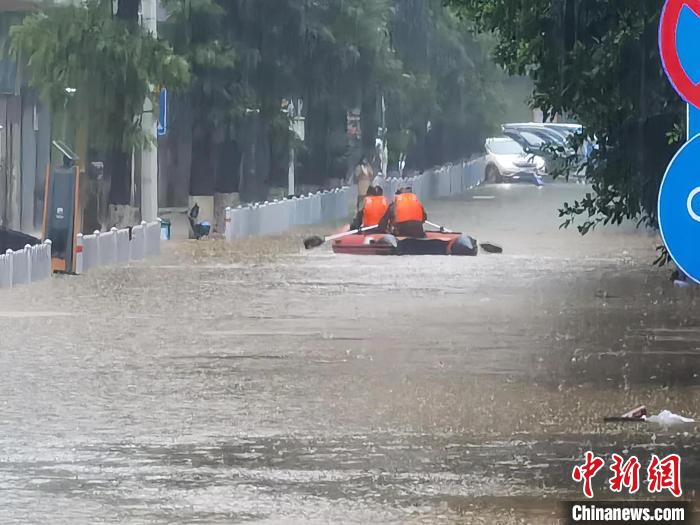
374	210
407	208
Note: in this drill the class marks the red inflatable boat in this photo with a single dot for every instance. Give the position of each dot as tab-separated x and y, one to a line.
434	243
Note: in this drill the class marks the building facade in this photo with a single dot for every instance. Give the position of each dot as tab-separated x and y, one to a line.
25	134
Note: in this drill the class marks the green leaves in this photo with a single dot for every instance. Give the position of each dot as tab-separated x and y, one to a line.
237	57
97	68
596	62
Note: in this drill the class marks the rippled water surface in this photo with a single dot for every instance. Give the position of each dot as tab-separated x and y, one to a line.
259	383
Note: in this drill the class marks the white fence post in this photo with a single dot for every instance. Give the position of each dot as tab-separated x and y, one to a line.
79	248
98	255
124	245
158	225
40	267
9	267
146	240
28	258
115	246
228	227
47	261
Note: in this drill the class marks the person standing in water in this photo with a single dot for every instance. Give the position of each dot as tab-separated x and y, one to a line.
363	179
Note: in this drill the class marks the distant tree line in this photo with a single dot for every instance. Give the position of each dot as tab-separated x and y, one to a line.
414	69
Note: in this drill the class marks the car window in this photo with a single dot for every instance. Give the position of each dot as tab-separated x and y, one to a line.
531	139
505	147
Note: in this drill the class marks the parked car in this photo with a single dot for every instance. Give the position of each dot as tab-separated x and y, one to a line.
549	143
551	136
507	160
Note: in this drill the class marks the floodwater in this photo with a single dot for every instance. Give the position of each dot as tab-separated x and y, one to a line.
258	383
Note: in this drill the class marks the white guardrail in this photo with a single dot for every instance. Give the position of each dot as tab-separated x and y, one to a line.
29	265
117	246
270	218
33	263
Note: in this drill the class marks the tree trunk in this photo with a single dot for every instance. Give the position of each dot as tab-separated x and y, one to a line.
255	160
118	162
246	185
118	170
262	160
317	141
228	167
202	171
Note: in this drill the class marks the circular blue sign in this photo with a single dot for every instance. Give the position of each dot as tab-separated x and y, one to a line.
679	209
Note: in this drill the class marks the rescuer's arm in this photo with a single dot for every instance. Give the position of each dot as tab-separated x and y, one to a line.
387	219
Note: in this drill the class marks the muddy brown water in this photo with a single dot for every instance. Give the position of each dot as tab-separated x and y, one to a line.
258	383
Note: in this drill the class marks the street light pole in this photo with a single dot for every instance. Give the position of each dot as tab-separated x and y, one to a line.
149	155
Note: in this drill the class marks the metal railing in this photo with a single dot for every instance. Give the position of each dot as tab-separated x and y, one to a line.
276	217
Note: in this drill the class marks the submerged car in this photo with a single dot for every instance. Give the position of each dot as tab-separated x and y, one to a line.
506	160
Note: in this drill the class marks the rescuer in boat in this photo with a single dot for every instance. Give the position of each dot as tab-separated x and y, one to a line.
372	210
405	216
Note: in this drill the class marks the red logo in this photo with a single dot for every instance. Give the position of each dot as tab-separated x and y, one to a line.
662	474
665	474
587	472
683	84
625	474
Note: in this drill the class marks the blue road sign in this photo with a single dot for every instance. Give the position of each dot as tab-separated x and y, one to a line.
680	22
679	209
689	54
163	113
687	32
693	121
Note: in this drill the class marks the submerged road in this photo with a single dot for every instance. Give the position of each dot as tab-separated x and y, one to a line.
258	383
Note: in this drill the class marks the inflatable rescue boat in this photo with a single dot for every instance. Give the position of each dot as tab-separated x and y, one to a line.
434	243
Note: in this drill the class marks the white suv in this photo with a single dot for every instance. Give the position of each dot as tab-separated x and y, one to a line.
506	160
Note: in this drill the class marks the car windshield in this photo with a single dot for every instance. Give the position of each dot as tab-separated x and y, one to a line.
505	147
532	139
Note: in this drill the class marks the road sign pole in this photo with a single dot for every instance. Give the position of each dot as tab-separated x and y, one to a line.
693	121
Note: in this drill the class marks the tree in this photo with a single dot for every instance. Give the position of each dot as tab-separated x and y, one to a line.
338	55
450	83
245	57
598	63
109	63
215	98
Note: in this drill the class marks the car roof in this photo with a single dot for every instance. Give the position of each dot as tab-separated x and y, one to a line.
494	140
568	125
548	135
500	139
545	124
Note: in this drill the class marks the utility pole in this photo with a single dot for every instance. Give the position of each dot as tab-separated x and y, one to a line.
149	155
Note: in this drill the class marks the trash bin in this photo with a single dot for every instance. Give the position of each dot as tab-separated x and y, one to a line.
165	230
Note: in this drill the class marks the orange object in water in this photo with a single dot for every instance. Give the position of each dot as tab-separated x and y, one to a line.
434	243
374	210
407	208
